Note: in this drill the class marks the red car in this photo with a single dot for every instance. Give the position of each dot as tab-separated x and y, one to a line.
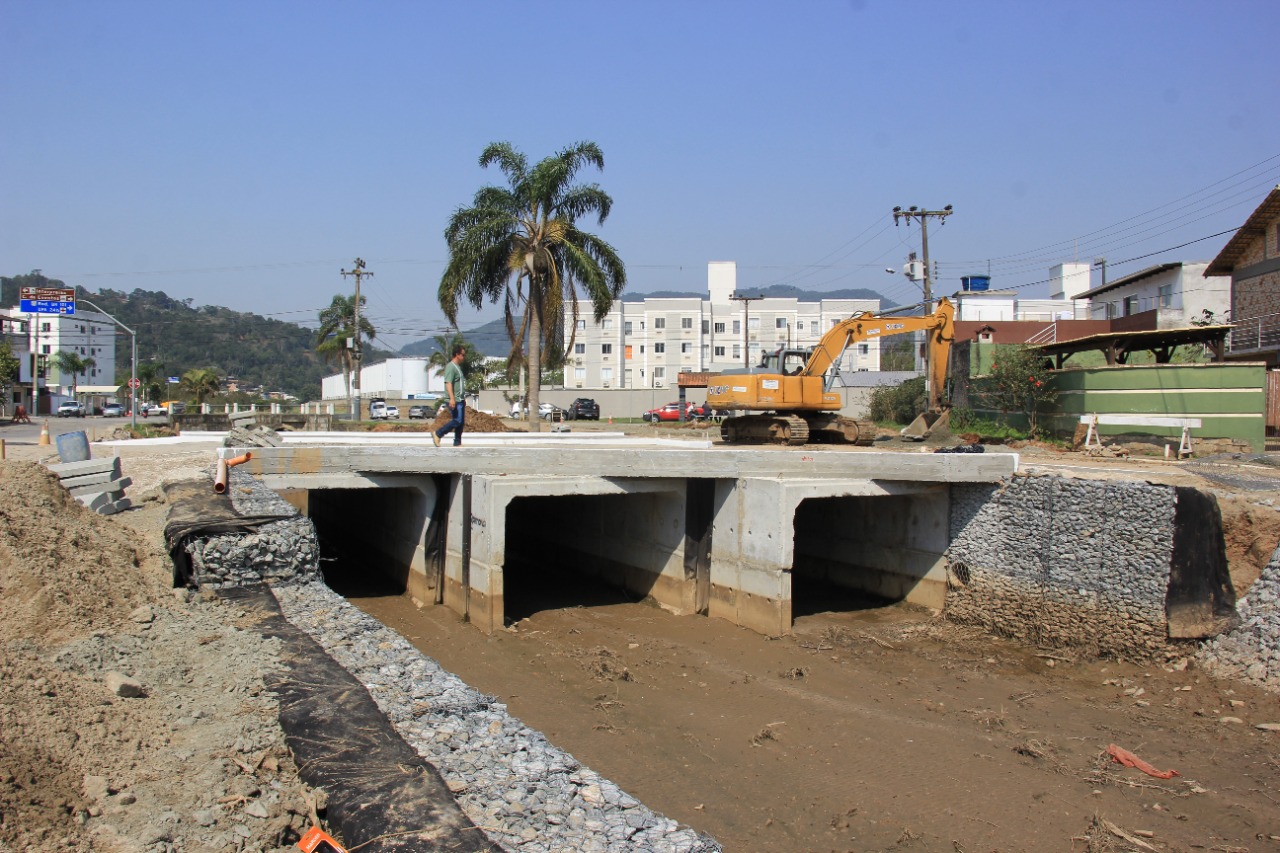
669	412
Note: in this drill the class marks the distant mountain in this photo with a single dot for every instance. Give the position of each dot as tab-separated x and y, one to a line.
490	339
257	351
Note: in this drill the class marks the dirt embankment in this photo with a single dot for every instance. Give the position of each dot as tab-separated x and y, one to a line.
132	719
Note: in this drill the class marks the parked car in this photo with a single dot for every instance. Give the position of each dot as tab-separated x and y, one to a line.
548	412
583	409
669	412
418	413
113	410
392	413
377	410
519	409
70	409
704	412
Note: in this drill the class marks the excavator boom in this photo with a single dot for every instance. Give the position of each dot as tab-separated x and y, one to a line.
802	406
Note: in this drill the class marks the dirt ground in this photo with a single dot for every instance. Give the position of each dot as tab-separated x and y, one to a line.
870	729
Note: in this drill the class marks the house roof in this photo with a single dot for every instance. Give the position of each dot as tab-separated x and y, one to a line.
1255	226
1130	279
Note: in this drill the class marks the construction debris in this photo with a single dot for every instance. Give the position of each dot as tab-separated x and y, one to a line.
95	483
260	436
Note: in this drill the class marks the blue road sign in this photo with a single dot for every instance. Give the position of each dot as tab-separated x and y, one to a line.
47	300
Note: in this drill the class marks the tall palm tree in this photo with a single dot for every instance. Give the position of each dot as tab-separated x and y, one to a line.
337	330
521	242
200	383
71	362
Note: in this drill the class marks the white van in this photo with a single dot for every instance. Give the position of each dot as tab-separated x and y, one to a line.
378	410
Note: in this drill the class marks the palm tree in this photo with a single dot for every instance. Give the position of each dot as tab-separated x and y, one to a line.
337	329
200	383
522	242
70	362
474	364
149	383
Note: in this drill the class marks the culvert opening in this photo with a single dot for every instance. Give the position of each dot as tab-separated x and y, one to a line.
367	537
583	551
865	553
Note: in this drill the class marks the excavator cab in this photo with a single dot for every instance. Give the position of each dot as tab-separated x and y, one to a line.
783	361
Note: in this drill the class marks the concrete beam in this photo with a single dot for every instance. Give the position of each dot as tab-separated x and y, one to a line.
643	462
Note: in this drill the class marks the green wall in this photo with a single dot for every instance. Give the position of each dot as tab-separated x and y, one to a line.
1227	397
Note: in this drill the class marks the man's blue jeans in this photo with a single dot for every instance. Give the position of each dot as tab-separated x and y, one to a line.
455	425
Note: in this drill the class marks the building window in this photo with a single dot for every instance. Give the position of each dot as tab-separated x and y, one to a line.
579	374
686	322
1166	295
657	348
864	349
626	328
659	372
737	327
1130	303
833	323
46	327
686	348
608	324
45	348
706	325
799	325
582	325
579	349
659	322
753	323
780	323
719	328
606	375
719	352
606	349
737	351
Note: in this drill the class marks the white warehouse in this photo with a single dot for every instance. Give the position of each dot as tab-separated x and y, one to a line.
395	379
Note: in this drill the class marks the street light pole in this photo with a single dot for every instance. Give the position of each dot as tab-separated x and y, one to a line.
746	347
133	363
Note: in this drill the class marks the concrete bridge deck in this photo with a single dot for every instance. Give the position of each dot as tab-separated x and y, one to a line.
702	529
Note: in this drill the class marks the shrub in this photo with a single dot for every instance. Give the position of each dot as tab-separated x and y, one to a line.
899	404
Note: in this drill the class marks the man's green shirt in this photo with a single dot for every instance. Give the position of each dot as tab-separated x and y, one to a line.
453	377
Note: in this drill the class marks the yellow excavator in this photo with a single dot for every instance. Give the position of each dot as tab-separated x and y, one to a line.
792	393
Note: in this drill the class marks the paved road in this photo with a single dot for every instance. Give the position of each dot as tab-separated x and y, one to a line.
29	434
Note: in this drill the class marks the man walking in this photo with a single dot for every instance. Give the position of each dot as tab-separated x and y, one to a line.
453	386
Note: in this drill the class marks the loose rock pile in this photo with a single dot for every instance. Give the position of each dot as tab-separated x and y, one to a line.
1251	652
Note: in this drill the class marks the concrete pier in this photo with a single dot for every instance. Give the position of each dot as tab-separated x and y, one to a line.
720	531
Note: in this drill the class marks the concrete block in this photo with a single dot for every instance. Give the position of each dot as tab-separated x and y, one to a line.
117	485
88	466
97	501
99	480
115	506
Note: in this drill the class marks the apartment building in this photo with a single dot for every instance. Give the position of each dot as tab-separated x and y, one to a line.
89	334
647	343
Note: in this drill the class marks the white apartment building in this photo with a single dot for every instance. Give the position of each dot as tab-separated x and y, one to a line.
648	343
89	334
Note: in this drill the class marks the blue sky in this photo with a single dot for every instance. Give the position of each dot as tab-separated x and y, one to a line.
242	153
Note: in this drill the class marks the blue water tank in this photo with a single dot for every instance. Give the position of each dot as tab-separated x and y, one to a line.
975	282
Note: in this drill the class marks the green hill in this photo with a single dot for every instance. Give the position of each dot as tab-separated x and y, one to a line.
276	355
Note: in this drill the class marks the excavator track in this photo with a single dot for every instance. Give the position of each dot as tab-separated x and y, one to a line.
765	429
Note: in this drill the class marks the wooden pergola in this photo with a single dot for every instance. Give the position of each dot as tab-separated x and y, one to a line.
1116	346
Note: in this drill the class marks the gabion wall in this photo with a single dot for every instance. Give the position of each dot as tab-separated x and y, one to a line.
1251	652
1062	562
280	550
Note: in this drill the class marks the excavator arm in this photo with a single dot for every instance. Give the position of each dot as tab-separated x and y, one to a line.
864	327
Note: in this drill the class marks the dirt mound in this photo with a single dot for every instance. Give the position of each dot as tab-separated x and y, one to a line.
64	571
476	422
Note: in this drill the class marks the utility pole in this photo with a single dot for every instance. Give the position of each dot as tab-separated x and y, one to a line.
1102	262
745	300
354	391
922	215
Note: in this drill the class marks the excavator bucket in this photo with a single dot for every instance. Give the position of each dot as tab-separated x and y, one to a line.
926	424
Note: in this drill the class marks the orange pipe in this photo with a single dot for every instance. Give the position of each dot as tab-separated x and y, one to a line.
220	478
239	460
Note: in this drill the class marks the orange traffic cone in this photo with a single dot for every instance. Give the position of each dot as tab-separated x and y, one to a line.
44	435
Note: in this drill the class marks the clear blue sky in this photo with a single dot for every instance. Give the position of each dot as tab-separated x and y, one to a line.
242	153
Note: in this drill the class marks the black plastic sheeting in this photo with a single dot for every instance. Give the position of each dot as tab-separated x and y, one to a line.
195	510
377	784
1200	600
